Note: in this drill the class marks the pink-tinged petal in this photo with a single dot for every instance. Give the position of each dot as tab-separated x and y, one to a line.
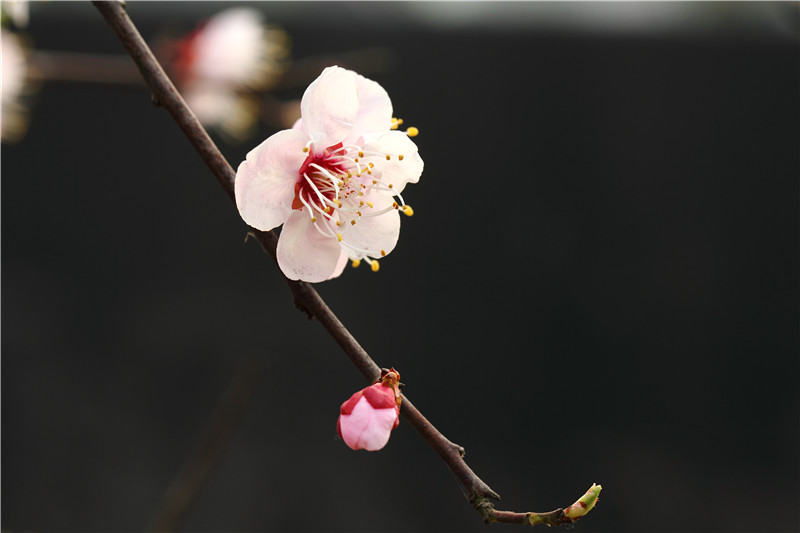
374	116
395	171
330	106
371	234
367	428
265	181
343	260
304	253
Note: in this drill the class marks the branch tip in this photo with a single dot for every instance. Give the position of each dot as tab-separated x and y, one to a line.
557	517
584	504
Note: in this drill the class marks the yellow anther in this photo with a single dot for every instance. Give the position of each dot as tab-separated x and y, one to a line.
370	204
358	213
400	157
412	131
407	210
383	252
339	237
353	222
313	219
395	205
338	222
371	165
375	266
360	154
388	157
337	202
356	263
390	185
305	149
356	159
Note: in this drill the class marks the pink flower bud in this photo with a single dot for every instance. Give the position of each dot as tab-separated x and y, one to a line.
367	419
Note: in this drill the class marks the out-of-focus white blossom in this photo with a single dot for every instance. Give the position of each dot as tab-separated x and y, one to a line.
16	11
14	119
221	63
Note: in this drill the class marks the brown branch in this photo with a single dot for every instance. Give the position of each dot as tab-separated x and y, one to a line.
306	298
86	68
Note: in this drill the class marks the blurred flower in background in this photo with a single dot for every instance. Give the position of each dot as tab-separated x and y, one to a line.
16	12
15	72
222	65
15	114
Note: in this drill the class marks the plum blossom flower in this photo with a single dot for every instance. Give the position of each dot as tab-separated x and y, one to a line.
227	57
334	180
367	419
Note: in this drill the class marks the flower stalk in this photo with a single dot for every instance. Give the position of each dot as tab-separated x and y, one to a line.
306	298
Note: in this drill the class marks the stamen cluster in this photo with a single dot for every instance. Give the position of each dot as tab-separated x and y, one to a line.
335	189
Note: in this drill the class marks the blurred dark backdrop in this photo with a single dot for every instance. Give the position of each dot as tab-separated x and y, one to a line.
600	283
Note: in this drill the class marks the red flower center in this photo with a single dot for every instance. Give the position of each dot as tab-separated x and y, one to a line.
319	179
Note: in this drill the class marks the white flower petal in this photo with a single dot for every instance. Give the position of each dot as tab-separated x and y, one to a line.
343	260
330	106
374	116
395	171
265	180
304	253
371	234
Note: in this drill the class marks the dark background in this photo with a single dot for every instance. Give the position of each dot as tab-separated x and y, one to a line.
600	283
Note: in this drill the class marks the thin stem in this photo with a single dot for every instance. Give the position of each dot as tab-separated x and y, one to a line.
305	297
213	444
86	68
